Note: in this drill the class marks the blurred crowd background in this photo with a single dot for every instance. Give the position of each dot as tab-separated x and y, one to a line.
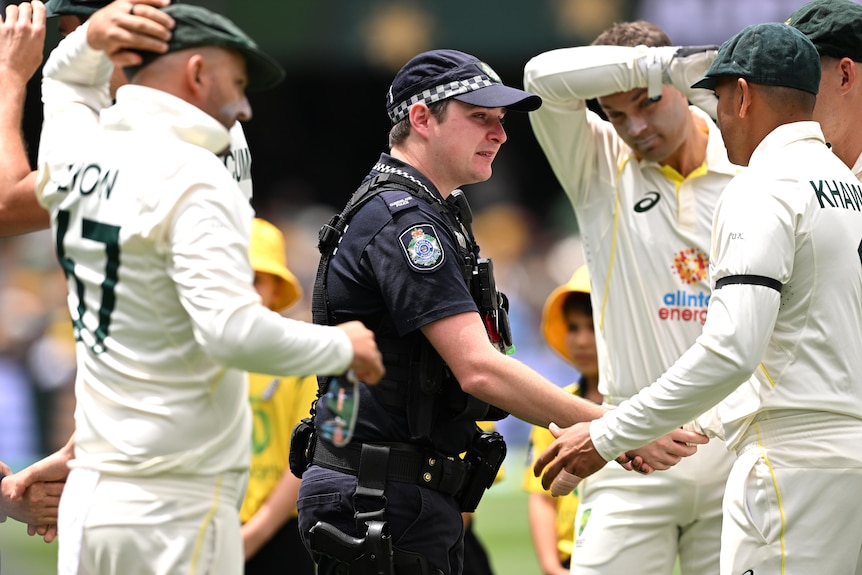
313	139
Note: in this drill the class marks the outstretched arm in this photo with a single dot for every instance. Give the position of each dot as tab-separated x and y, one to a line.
32	495
53	468
575	453
22	39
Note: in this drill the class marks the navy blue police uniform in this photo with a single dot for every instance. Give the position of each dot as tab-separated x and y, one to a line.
399	257
397	268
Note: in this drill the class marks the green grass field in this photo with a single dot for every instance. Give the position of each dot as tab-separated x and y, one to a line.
501	523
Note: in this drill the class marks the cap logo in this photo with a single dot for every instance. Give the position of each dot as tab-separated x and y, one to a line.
490	71
438	93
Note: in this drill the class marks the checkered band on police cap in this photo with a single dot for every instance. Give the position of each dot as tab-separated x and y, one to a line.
440	74
438	93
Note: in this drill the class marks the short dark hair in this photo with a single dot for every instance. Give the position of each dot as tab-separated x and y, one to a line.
399	132
633	34
784	99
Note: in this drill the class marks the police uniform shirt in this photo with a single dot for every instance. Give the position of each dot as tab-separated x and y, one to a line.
396	269
787	266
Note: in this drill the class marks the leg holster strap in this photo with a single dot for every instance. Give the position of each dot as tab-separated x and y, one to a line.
369	499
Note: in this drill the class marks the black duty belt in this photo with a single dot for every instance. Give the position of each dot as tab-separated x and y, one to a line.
442	474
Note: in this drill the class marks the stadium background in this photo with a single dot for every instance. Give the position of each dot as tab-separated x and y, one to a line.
312	140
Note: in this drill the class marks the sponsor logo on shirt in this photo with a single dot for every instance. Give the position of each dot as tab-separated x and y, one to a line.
686	304
649	200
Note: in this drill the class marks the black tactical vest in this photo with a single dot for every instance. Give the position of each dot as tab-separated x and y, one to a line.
432	394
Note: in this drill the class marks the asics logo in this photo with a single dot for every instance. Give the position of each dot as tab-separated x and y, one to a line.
648	202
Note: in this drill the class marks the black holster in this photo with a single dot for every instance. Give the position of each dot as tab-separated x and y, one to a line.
373	553
301	447
485	456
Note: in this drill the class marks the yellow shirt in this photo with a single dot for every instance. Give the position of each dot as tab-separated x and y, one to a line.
277	404
567	506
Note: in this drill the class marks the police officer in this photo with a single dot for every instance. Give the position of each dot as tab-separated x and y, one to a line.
408	267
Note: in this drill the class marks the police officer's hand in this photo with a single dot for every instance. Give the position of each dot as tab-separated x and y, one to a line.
367	360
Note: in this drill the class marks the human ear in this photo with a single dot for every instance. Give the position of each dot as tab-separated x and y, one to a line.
420	117
742	97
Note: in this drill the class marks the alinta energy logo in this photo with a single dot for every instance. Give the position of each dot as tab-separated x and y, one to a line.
691	266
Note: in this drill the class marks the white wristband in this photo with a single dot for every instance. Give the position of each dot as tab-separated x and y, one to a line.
564	483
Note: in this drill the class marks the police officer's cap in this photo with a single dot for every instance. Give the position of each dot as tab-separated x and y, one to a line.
768	54
441	74
834	26
196	27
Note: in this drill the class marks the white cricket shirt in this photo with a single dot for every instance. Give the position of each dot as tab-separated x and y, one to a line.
645	228
153	234
794	217
76	87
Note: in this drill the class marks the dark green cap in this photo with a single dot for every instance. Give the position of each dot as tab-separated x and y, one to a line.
768	54
196	27
82	8
834	26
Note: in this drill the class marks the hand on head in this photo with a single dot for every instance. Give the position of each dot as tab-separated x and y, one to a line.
22	39
124	26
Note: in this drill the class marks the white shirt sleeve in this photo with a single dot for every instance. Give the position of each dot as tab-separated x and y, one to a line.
578	144
738	326
592	71
75	88
208	249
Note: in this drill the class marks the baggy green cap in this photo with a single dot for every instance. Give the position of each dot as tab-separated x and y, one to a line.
196	27
834	26
768	54
82	8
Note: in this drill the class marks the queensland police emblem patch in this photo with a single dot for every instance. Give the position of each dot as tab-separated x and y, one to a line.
422	247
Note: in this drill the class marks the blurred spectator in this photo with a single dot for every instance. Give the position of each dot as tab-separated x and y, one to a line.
698	22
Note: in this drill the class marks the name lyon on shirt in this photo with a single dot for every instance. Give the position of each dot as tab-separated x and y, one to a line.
684	306
88	178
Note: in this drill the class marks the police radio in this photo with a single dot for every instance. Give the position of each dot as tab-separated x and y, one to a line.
493	306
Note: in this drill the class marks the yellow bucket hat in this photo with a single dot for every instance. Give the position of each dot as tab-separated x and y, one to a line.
554	326
267	255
